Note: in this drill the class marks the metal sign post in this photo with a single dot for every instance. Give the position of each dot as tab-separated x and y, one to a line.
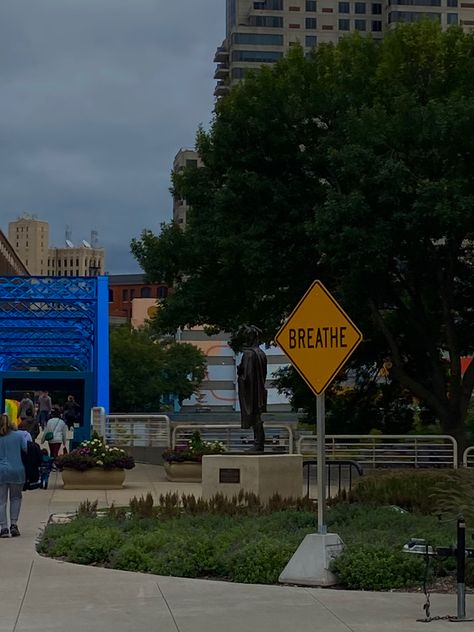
321	423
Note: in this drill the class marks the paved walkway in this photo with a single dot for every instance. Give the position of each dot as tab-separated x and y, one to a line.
45	595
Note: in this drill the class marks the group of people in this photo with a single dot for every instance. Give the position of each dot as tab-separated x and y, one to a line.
34	418
23	463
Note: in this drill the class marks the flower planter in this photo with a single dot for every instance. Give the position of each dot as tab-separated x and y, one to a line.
94	478
184	472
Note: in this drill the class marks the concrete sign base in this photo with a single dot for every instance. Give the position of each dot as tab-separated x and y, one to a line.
309	566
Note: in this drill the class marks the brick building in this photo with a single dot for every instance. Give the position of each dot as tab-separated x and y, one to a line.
128	293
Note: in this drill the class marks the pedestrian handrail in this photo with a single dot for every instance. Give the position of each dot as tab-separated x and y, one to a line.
468	457
345	475
131	430
387	450
278	437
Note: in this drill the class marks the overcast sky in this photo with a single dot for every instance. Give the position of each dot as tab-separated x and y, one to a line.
97	97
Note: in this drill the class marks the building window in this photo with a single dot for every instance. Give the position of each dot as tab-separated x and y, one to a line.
270	5
311	6
376	8
359	7
452	18
422	3
263	39
191	163
111	295
359	25
311	24
145	292
132	293
237	73
162	292
65	263
124	295
268	21
311	41
408	16
27	244
77	263
344	7
452	3
256	55
344	25
59	263
376	26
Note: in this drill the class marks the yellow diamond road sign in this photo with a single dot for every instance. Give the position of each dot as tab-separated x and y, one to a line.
318	337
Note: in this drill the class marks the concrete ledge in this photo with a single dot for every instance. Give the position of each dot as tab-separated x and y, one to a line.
264	475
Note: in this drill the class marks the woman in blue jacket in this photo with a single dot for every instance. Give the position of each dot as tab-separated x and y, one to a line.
12	475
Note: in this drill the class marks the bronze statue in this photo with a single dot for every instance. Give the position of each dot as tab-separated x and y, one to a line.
252	374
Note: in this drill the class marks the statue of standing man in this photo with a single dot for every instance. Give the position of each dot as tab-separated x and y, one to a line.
252	375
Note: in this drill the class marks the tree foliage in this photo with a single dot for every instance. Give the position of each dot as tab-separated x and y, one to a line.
143	370
354	166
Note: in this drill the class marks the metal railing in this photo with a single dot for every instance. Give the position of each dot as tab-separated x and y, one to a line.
124	430
387	450
346	471
278	437
468	457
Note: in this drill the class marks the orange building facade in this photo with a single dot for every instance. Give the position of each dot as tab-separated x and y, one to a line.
127	289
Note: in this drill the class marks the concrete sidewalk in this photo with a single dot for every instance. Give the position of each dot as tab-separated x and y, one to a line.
42	594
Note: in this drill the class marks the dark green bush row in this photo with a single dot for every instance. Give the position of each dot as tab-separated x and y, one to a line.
244	548
426	491
246	545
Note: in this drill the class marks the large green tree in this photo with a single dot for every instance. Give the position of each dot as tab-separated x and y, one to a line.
354	166
143	369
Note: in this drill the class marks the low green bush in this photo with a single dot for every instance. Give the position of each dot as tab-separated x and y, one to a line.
250	546
368	567
414	490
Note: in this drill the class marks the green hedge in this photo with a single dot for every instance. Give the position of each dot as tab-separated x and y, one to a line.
426	491
244	545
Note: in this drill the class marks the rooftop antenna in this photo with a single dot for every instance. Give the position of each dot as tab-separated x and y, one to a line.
68	236
94	238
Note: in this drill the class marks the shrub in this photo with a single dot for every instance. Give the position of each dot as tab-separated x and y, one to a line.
368	567
414	490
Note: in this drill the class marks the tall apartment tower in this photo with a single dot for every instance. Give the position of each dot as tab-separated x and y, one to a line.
30	239
260	32
184	158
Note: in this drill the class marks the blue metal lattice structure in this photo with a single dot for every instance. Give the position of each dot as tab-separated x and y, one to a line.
58	325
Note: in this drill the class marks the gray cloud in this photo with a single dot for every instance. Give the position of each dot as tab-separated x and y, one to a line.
97	97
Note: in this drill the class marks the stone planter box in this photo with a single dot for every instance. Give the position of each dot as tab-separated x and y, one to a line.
94	478
185	472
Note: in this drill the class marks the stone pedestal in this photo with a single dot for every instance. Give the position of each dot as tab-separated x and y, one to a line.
264	475
309	565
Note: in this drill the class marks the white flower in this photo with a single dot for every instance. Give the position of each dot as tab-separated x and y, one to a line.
100	462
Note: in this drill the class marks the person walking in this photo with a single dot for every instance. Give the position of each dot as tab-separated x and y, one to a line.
45	468
26	409
55	433
44	408
71	411
12	475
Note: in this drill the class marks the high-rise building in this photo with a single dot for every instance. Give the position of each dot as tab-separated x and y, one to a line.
184	158
10	262
29	237
261	32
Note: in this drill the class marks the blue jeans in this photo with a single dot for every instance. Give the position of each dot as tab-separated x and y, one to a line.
14	490
43	418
